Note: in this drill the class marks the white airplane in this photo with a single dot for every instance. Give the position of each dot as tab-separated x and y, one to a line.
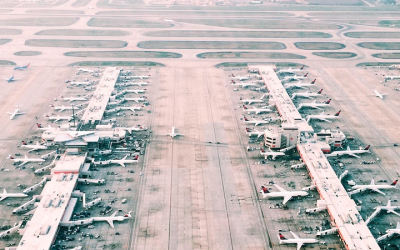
124	160
34	147
315	104
22	67
294	78
299	84
307	94
391	77
274	154
137	99
287	195
6	195
140	84
248	84
12	230
349	152
139	77
39	126
256	110
250	101
72	99
63	108
255	132
81	83
241	78
291	70
388	208
372	186
24	160
16	112
255	122
168	20
113	218
59	118
390	233
131	129
377	94
136	91
87	70
299	241
173	133
11	79
323	117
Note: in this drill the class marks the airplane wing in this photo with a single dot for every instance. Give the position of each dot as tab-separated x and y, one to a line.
294	235
299	245
393	212
280	189
353	155
286	198
323	119
111	222
33	149
377	190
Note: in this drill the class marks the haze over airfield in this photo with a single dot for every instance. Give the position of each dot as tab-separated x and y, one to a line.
200	191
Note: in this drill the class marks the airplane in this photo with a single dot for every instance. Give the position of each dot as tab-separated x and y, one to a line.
255	122
34	147
315	104
63	108
299	241
256	110
377	94
39	126
16	112
391	77
139	77
11	230
24	67
349	152
323	117
255	132
81	83
250	101
291	70
131	129
274	154
390	233
249	84
388	208
124	160
140	84
72	99
168	20
136	91
24	160
372	186
11	79
299	85
138	99
6	195
59	118
241	78
287	195
173	133
87	70
113	218
294	78
307	94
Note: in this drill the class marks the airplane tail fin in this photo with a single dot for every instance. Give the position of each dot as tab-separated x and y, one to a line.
281	237
320	91
129	214
10	157
338	113
136	157
394	183
313	81
4	191
264	190
367	147
302	67
328	102
244	107
245	119
306	75
29	64
398	225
